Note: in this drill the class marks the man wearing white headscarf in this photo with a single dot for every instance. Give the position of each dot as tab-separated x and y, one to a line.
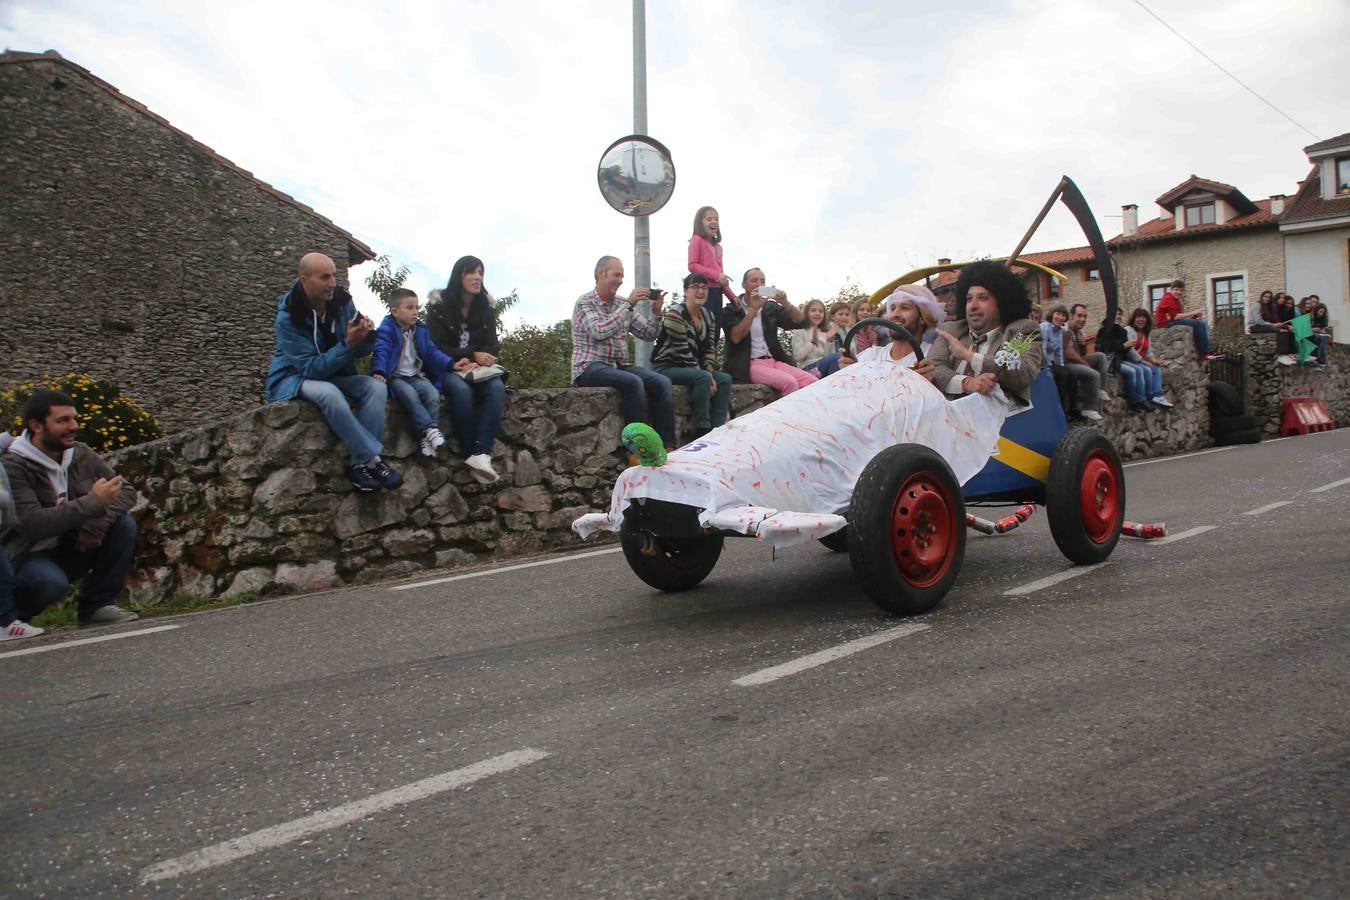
914	307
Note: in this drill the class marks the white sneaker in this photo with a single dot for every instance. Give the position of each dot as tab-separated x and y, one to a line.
432	440
1092	415
1161	401
480	465
1104	395
16	629
1286	360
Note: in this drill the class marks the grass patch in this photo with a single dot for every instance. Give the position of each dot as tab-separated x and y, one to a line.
65	613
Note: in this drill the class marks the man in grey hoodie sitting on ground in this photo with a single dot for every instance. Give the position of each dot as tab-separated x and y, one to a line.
71	516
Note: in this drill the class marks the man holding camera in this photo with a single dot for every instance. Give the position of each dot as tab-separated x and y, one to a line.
751	323
320	335
601	324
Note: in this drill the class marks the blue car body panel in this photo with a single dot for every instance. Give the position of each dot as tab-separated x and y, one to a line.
1039	430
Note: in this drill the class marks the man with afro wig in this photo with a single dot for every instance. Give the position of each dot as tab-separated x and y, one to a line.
992	339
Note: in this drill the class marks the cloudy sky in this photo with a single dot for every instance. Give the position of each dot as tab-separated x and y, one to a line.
839	140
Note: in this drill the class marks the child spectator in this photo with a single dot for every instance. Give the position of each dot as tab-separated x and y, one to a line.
814	348
867	337
705	258
841	315
1170	315
1052	347
686	354
411	365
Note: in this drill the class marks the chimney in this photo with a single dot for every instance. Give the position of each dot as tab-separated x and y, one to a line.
1277	204
1129	220
945	261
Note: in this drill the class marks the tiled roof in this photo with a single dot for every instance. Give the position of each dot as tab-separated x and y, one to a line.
1308	203
1239	200
358	250
1164	228
1053	258
1328	143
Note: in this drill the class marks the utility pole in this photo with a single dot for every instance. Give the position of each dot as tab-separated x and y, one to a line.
642	229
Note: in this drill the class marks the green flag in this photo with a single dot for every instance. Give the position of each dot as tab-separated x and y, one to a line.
1303	336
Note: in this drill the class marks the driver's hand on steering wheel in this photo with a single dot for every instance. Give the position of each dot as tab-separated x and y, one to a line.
924	367
845	360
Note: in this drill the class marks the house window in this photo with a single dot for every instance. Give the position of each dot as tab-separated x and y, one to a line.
1200	214
1230	296
1090	274
1343	175
1155	293
1052	288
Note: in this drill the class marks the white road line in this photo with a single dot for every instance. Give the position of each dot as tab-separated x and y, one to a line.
1182	535
1267	508
529	565
240	847
810	661
47	648
1145	462
1327	487
1051	580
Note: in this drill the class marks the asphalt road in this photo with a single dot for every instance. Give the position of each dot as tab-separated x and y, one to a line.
1171	723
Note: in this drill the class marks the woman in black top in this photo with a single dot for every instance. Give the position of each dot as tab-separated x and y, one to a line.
463	324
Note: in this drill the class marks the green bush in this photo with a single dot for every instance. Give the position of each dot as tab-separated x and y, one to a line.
108	418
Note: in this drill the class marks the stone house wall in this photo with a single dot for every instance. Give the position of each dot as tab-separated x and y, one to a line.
132	252
1268	383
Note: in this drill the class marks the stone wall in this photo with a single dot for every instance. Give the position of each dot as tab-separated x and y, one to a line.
1268	382
131	252
1162	433
260	503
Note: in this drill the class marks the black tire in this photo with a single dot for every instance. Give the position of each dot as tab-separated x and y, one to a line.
679	563
1085	526
907	529
1222	425
1230	438
1224	400
836	541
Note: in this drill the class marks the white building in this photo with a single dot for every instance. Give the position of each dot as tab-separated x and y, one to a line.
1316	230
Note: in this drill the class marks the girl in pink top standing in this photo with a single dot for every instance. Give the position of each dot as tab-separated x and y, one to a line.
705	258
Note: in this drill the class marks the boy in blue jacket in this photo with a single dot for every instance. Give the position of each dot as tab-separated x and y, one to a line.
404	359
320	336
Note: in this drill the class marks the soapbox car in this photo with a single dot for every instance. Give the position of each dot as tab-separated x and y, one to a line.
903	518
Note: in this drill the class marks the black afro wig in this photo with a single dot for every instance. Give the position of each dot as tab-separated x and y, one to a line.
999	280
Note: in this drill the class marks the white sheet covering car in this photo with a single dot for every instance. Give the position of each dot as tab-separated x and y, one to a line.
786	472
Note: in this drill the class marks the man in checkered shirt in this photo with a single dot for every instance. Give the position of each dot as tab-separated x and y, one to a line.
601	324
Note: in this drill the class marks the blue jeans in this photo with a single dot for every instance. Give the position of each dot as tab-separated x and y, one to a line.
45	577
474	432
1199	331
363	431
826	365
636	387
1135	381
419	397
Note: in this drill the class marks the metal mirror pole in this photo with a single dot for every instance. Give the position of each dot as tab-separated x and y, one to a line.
642	229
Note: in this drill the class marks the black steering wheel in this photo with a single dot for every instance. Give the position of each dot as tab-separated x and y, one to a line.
901	332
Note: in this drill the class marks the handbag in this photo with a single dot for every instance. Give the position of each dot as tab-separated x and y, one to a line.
483	373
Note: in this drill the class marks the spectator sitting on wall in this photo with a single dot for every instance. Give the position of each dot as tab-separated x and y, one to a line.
1086	377
1138	377
410	365
71	517
686	353
1263	318
601	323
1321	326
1138	350
463	324
1053	338
1285	303
1170	315
751	323
319	337
966	360
1098	361
815	347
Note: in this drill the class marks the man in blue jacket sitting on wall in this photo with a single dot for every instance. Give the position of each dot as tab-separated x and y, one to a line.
320	335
